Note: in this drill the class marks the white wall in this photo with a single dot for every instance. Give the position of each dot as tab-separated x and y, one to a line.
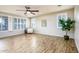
51	28
10	31
76	14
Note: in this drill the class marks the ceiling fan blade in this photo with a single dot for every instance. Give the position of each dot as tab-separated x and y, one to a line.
28	9
20	10
33	10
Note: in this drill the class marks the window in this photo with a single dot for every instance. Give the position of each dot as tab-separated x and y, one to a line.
60	16
15	23
44	23
22	26
19	24
3	23
24	23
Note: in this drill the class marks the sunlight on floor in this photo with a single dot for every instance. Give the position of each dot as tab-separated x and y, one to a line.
34	44
3	45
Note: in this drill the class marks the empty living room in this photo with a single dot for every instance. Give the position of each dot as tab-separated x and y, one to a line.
39	29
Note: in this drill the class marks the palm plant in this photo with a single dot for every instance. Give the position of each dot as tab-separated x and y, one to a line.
66	25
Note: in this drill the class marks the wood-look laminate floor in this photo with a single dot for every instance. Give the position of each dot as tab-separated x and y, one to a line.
36	43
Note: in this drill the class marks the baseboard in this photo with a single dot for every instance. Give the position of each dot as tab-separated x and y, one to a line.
11	36
52	35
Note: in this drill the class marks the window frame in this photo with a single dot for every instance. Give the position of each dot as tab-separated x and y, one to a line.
7	24
20	23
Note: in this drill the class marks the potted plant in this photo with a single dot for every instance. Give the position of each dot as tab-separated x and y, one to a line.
66	25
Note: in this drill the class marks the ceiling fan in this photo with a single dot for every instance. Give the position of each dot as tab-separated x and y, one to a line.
28	9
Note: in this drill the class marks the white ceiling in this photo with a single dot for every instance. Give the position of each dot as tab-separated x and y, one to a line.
43	9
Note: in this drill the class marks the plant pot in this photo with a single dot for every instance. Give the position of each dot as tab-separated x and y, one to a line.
66	37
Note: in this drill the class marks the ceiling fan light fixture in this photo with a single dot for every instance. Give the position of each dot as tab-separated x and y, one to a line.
28	12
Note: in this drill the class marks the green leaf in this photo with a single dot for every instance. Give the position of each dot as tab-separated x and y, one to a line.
66	25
